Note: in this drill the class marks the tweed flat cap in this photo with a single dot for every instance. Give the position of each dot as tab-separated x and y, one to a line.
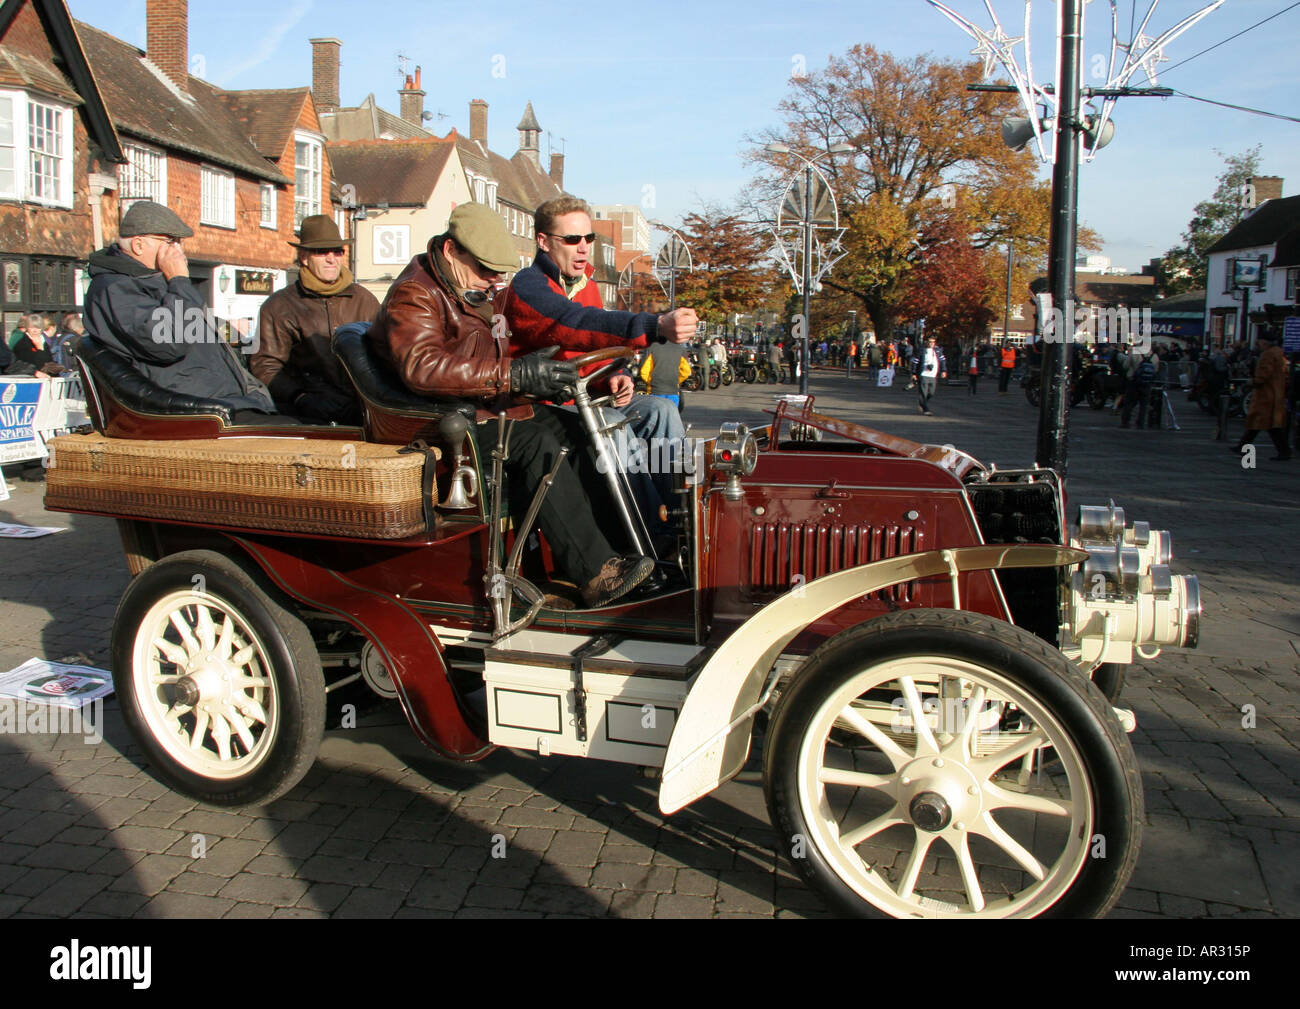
149	218
482	233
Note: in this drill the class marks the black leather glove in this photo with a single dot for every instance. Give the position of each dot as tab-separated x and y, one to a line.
324	405
537	375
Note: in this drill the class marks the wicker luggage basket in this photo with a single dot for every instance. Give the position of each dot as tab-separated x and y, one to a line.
303	485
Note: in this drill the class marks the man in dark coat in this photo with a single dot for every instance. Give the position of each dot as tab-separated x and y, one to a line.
142	305
294	356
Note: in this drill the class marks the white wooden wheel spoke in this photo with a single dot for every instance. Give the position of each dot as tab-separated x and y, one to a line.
241	657
221	736
177	619
856	779
969	877
999	798
925	741
914	863
974	710
989	828
227	633
870	829
251	709
897	756
251	682
200	730
995	761
204	628
172	653
241	730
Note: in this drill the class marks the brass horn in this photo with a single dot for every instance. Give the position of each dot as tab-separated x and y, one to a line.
464	480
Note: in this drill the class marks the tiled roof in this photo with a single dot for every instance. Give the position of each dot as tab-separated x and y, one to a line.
19	70
268	117
529	122
1269	222
534	183
368	121
143	102
1288	249
401	173
1115	290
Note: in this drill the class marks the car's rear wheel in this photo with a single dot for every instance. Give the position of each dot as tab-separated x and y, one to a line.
907	772
219	683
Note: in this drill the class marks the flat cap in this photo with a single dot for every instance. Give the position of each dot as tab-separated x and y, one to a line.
482	233
149	218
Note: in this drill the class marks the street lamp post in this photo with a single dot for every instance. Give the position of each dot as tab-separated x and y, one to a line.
807	225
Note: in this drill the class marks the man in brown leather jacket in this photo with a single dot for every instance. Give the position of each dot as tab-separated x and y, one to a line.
436	330
296	325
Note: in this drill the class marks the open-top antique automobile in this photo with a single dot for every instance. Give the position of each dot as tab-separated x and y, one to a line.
911	632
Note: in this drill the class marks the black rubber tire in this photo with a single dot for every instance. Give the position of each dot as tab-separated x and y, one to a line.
1109	679
728	375
1038	670
1096	394
1032	394
286	650
692	381
749	375
715	378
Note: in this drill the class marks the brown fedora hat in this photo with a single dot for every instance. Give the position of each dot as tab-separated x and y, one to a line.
319	232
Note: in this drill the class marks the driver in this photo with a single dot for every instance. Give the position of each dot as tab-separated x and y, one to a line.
435	329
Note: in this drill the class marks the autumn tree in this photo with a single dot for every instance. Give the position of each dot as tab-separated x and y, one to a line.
1185	266
928	161
732	270
951	287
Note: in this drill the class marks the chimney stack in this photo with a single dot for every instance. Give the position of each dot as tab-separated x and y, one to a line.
167	30
478	109
1267	187
325	74
557	169
412	99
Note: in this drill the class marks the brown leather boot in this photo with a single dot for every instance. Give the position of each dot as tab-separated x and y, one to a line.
618	577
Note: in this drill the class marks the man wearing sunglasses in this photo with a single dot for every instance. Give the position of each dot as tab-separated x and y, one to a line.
138	286
435	329
555	302
294	357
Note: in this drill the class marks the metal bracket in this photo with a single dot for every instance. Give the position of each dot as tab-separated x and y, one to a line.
594	647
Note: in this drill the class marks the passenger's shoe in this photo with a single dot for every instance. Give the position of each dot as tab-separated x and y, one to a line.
618	577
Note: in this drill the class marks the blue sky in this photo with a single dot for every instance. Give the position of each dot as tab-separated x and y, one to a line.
655	101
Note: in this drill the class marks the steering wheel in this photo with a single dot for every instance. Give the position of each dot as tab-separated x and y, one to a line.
610	354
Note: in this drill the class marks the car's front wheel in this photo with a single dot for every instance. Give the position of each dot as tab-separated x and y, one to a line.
934	763
219	683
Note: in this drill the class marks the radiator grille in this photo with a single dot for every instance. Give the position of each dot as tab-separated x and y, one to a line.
778	551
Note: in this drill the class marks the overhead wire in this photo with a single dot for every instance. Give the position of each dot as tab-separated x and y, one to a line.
1229	39
1239	108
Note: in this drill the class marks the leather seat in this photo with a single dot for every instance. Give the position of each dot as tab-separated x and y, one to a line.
124	403
393	414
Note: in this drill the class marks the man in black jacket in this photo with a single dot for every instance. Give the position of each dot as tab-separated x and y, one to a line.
142	305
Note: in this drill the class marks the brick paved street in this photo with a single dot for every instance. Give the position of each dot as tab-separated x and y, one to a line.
382	828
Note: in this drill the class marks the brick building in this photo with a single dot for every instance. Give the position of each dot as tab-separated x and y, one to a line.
97	124
58	169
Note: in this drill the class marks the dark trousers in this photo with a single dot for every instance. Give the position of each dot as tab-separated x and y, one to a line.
1278	434
974	377
1004	378
1136	396
579	542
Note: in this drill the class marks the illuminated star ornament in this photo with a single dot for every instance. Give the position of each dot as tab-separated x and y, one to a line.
1142	52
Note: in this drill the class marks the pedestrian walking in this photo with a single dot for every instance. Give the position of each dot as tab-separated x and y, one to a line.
1268	408
973	372
928	367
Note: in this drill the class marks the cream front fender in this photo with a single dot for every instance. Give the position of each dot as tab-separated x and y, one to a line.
711	740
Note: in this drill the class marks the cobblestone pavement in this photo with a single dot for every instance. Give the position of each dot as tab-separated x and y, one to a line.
380	828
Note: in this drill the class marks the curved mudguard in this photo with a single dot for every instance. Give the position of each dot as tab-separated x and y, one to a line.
711	739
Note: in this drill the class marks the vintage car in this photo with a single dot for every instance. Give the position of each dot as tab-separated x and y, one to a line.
929	652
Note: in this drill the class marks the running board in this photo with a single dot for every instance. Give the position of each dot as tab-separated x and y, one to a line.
602	696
